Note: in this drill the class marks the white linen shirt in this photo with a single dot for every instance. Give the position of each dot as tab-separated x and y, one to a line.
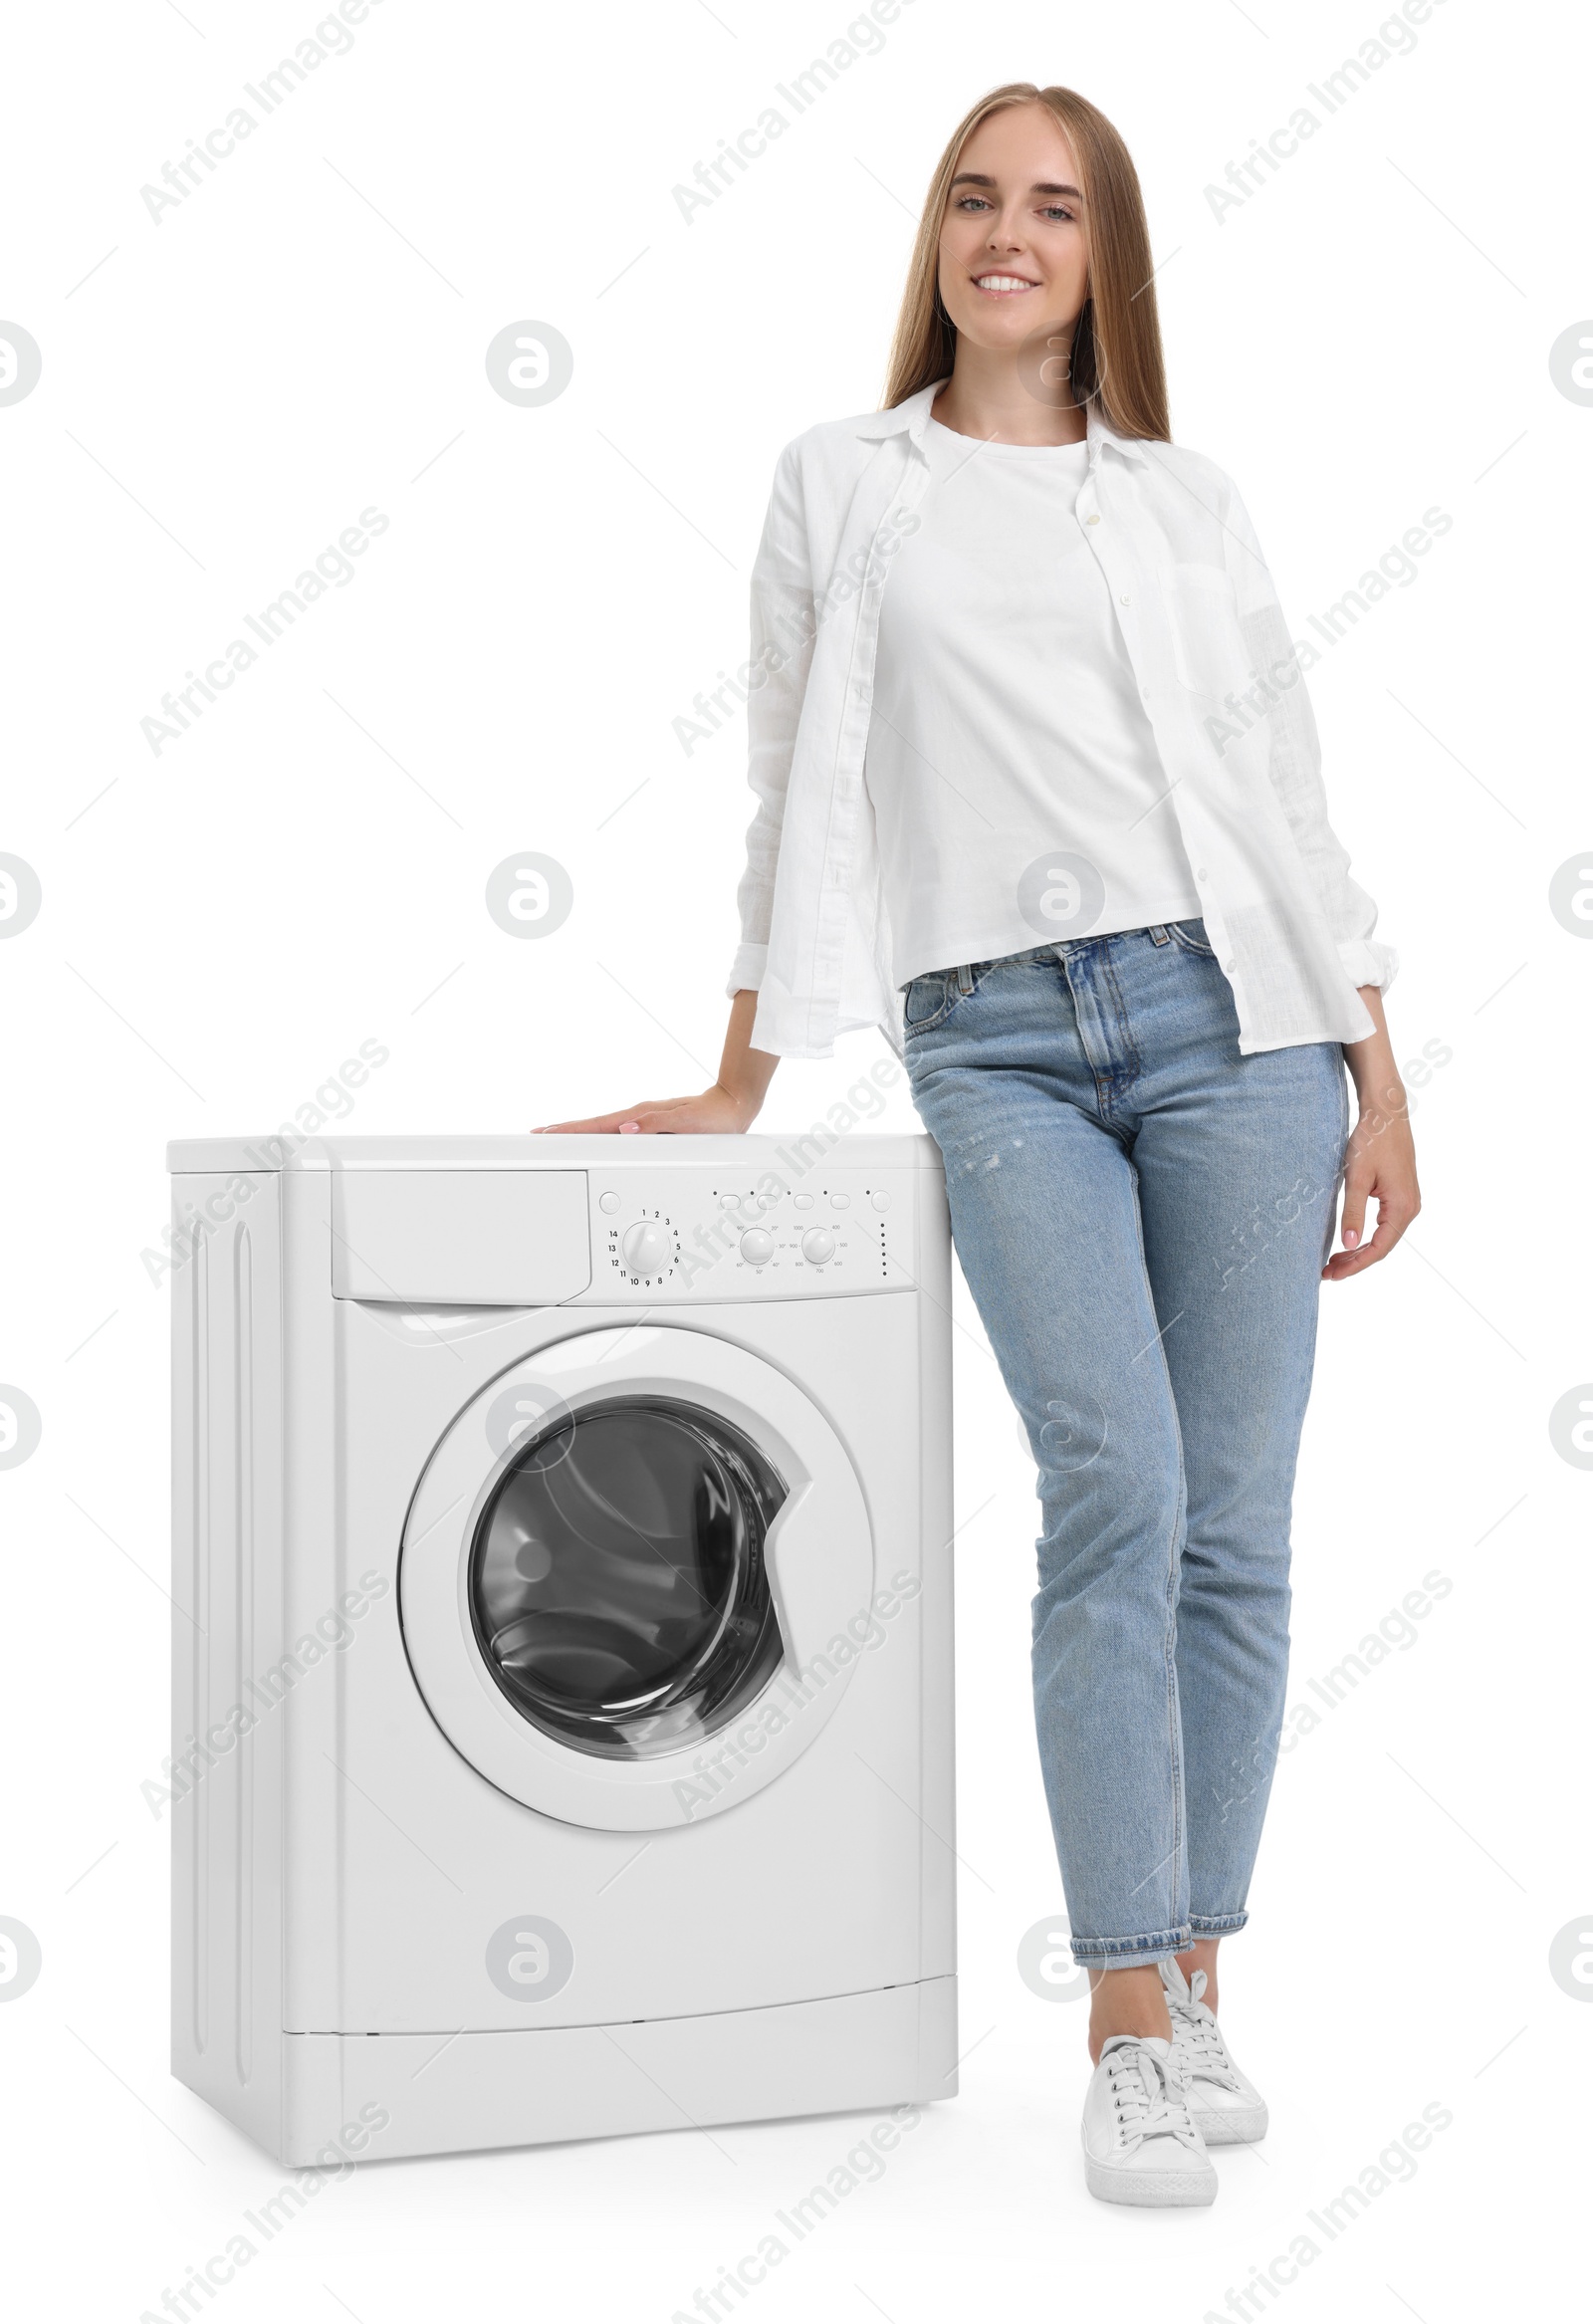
1222	685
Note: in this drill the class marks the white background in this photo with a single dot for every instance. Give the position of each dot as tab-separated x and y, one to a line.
302	338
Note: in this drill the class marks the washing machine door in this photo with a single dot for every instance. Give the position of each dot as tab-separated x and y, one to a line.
636	1576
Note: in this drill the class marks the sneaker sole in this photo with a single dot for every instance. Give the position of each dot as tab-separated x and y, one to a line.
1238	2126
1150	2190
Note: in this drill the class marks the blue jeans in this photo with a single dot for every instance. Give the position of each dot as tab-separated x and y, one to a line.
1142	1215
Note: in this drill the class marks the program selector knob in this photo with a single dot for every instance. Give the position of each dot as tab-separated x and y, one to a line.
647	1249
758	1246
819	1244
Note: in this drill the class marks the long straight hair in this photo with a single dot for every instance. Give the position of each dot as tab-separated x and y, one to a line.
1117	345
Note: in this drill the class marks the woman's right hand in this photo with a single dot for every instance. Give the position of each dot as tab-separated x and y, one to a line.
715	1112
729	1107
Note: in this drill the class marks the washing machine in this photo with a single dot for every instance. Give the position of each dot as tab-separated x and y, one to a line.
562	1635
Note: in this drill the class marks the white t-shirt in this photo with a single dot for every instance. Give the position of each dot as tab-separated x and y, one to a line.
1018	792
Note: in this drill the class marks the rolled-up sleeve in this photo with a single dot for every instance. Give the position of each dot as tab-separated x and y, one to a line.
781	649
1295	759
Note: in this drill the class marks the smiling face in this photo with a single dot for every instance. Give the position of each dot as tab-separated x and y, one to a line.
1014	266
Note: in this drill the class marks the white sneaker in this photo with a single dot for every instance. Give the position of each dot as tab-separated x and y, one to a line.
1226	2105
1141	2143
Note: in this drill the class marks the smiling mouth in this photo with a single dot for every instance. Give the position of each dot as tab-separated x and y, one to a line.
1003	286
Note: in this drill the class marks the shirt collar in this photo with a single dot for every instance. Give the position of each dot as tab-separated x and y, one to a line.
912	418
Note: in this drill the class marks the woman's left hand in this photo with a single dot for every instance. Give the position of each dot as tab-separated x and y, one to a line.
1380	1159
1380	1166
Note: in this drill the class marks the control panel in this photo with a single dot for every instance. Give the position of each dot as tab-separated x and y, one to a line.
686	1233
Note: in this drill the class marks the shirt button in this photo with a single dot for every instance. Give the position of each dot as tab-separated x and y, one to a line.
1092	520
1203	873
1124	600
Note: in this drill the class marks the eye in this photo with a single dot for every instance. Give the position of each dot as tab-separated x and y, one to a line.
1058	213
971	202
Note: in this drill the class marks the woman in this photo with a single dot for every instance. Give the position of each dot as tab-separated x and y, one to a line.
1031	748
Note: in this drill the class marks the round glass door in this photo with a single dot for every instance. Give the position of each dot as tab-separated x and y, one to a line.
616	1578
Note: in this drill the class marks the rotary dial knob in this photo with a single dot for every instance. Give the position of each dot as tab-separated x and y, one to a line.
758	1246
647	1249
819	1244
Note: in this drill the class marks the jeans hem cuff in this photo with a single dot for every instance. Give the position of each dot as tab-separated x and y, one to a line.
1130	1951
1217	1924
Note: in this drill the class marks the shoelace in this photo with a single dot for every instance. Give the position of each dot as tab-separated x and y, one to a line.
1147	2099
1202	2053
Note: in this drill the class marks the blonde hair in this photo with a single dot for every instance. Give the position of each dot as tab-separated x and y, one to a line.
1117	345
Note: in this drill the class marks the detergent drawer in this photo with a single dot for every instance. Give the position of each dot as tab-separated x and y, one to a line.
475	1238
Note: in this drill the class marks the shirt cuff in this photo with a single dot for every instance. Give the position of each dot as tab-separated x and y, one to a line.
747	970
1367	963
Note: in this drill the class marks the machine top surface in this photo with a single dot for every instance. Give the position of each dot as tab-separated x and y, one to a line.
797	1148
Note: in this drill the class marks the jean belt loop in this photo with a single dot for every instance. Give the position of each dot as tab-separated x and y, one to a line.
965	979
1158	934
